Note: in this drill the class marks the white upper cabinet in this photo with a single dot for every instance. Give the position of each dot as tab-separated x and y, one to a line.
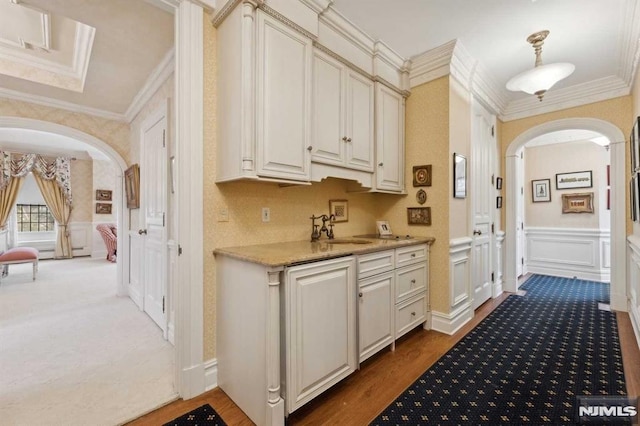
389	140
283	100
264	98
342	115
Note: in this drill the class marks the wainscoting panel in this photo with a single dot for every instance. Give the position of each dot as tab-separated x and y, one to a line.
460	311
4	240
81	238
499	260
567	252
136	292
633	260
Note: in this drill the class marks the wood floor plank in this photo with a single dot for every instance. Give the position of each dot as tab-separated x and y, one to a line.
362	396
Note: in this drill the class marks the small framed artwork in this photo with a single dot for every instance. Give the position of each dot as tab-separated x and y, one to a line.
132	186
634	145
419	215
540	190
574	180
459	176
499	202
103	208
422	175
103	195
383	227
339	209
498	183
577	203
421	196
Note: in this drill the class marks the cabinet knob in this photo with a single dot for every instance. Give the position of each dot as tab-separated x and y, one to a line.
380	164
348	139
413	314
413	281
413	255
309	148
344	138
360	294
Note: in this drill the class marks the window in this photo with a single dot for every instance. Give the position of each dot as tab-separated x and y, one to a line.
34	218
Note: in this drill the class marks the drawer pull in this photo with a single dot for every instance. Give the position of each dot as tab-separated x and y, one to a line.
413	281
360	294
413	255
413	314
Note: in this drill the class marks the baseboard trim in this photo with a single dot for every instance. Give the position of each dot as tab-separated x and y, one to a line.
210	374
450	323
603	276
192	381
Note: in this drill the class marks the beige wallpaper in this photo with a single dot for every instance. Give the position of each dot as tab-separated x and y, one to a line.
543	162
113	133
459	143
104	177
427	142
617	111
81	174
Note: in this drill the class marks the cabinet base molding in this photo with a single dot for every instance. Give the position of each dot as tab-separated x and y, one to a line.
450	323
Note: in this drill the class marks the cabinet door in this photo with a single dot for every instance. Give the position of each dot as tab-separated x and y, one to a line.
328	135
376	302
283	77
320	328
360	114
389	139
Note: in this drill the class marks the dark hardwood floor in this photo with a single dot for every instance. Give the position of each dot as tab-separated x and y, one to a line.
361	397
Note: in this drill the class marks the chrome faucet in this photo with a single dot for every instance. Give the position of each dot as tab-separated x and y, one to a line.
317	233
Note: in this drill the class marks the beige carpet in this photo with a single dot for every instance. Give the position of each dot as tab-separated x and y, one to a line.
73	353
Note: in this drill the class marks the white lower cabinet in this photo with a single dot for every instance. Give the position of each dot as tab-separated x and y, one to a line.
376	313
393	296
320	328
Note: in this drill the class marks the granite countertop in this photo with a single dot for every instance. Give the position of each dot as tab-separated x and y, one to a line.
289	253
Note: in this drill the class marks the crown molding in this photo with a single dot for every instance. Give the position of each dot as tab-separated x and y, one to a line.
155	80
82	52
55	103
630	51
568	97
318	6
431	64
462	65
348	30
487	90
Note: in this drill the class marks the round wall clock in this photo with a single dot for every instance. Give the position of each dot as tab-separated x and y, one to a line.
421	196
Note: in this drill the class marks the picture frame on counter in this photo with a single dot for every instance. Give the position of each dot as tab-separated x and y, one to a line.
383	227
577	203
541	190
419	216
459	176
340	210
574	180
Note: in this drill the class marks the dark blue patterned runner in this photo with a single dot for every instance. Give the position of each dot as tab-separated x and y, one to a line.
524	364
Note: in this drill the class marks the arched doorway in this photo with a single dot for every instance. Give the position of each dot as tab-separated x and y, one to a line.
618	224
121	165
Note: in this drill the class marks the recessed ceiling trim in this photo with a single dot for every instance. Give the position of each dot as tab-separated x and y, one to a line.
55	103
630	43
568	97
431	64
82	51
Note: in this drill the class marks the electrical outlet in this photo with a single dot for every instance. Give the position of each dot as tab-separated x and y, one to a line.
223	215
266	214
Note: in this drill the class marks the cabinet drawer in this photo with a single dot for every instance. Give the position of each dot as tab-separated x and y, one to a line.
409	314
410	281
375	263
410	255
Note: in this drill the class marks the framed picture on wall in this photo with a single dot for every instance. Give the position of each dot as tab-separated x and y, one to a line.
574	180
634	145
459	176
132	186
541	190
103	195
103	208
577	203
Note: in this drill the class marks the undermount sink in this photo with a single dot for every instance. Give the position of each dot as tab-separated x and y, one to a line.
347	241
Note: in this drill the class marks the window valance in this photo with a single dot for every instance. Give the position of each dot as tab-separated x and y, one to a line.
19	165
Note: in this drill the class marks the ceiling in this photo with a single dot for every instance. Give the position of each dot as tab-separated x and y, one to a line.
599	37
94	54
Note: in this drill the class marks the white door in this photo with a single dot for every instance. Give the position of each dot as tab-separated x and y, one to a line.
389	139
519	215
360	109
153	179
483	203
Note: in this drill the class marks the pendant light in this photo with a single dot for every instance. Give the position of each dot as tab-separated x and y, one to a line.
542	77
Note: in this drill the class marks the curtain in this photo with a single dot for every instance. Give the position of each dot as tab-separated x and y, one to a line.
55	198
8	197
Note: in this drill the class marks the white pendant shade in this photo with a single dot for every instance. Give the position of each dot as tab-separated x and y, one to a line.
541	78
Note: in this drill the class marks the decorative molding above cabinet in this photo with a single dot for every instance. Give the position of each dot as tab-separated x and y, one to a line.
304	95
